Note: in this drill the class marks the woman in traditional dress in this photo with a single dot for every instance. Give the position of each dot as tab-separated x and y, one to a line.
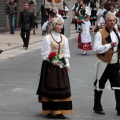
84	39
54	87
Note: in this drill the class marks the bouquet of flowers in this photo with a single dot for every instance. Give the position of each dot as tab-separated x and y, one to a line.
54	58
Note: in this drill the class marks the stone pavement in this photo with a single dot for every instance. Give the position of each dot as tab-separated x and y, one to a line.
19	78
12	44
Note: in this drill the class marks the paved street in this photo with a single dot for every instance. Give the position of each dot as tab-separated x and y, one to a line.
19	78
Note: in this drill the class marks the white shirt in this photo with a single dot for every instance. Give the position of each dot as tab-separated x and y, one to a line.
74	6
85	34
86	27
100	12
66	8
99	48
110	12
46	49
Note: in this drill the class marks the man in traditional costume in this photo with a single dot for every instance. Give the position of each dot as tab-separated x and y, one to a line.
106	46
54	87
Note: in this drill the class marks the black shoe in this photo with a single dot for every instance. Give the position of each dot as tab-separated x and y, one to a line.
34	32
100	112
12	33
61	116
118	113
1	51
49	116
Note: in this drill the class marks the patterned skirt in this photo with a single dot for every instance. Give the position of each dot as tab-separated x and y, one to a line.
84	46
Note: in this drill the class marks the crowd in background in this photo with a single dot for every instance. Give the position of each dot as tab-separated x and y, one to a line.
95	10
89	16
92	8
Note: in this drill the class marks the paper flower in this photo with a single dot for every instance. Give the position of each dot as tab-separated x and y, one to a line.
54	58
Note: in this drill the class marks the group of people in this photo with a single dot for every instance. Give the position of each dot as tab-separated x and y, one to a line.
54	91
95	14
94	9
49	13
106	45
27	19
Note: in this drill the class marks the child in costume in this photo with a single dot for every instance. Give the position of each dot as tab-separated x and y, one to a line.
84	39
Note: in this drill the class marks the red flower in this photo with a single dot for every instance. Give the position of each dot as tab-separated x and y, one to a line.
52	56
79	21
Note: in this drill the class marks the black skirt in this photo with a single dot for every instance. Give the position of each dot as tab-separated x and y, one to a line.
54	82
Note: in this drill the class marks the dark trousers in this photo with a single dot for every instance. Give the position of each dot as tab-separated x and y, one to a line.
25	35
75	24
12	19
117	97
97	100
36	25
112	73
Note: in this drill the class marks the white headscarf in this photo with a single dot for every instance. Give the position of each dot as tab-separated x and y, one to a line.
52	23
